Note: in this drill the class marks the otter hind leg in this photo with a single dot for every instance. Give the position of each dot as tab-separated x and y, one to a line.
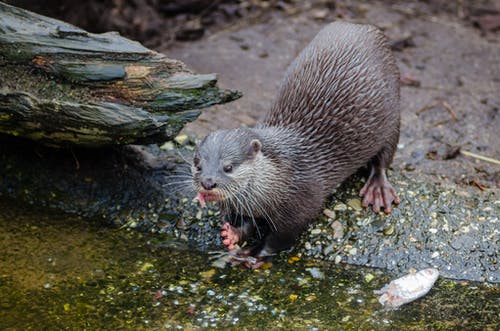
377	191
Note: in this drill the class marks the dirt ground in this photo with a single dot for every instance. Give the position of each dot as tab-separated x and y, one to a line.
450	69
448	53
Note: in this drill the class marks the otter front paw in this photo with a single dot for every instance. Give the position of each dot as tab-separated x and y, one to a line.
378	192
230	236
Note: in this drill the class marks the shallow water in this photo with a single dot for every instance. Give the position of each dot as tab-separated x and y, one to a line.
59	272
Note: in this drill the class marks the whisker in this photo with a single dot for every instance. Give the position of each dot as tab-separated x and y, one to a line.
183	158
178	182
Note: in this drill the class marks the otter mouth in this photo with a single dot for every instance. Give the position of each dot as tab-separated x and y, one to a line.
204	196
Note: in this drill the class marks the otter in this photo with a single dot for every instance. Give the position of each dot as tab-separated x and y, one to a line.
337	110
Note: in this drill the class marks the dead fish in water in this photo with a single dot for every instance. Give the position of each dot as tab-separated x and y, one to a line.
407	288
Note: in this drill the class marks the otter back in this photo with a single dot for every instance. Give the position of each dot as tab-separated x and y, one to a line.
341	94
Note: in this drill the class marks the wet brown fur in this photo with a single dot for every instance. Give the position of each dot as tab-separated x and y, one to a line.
337	110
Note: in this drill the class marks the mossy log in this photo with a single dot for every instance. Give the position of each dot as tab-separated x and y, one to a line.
63	86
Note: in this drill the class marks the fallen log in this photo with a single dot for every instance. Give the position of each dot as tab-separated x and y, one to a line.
63	86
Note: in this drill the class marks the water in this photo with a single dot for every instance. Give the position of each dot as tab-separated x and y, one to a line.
58	272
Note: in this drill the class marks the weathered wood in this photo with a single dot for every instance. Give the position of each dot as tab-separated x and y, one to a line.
64	86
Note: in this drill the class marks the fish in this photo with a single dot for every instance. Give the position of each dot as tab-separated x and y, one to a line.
407	288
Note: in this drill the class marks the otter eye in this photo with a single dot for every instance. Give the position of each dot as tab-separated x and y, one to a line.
228	168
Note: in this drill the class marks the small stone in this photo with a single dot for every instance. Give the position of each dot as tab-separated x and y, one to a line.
329	213
353	251
340	207
369	277
315	231
181	139
320	14
199	214
168	146
146	266
328	249
316	273
338	229
307	246
355	204
311	298
338	259
389	230
207	275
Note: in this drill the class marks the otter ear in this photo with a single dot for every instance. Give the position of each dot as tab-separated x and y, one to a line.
255	147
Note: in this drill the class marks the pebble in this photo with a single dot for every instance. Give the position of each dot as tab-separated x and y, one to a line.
316	273
355	204
315	231
181	139
329	213
338	229
328	250
389	230
340	207
369	277
168	146
320	14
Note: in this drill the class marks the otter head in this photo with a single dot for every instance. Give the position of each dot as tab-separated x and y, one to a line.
223	164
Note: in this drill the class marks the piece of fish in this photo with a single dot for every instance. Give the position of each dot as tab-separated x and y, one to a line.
407	288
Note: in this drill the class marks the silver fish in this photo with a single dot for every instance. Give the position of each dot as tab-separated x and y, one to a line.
407	288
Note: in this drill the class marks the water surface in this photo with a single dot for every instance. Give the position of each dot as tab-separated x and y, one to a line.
59	272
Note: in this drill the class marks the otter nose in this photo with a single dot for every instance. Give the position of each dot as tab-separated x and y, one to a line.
208	183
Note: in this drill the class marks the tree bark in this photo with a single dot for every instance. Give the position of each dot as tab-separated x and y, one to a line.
63	86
